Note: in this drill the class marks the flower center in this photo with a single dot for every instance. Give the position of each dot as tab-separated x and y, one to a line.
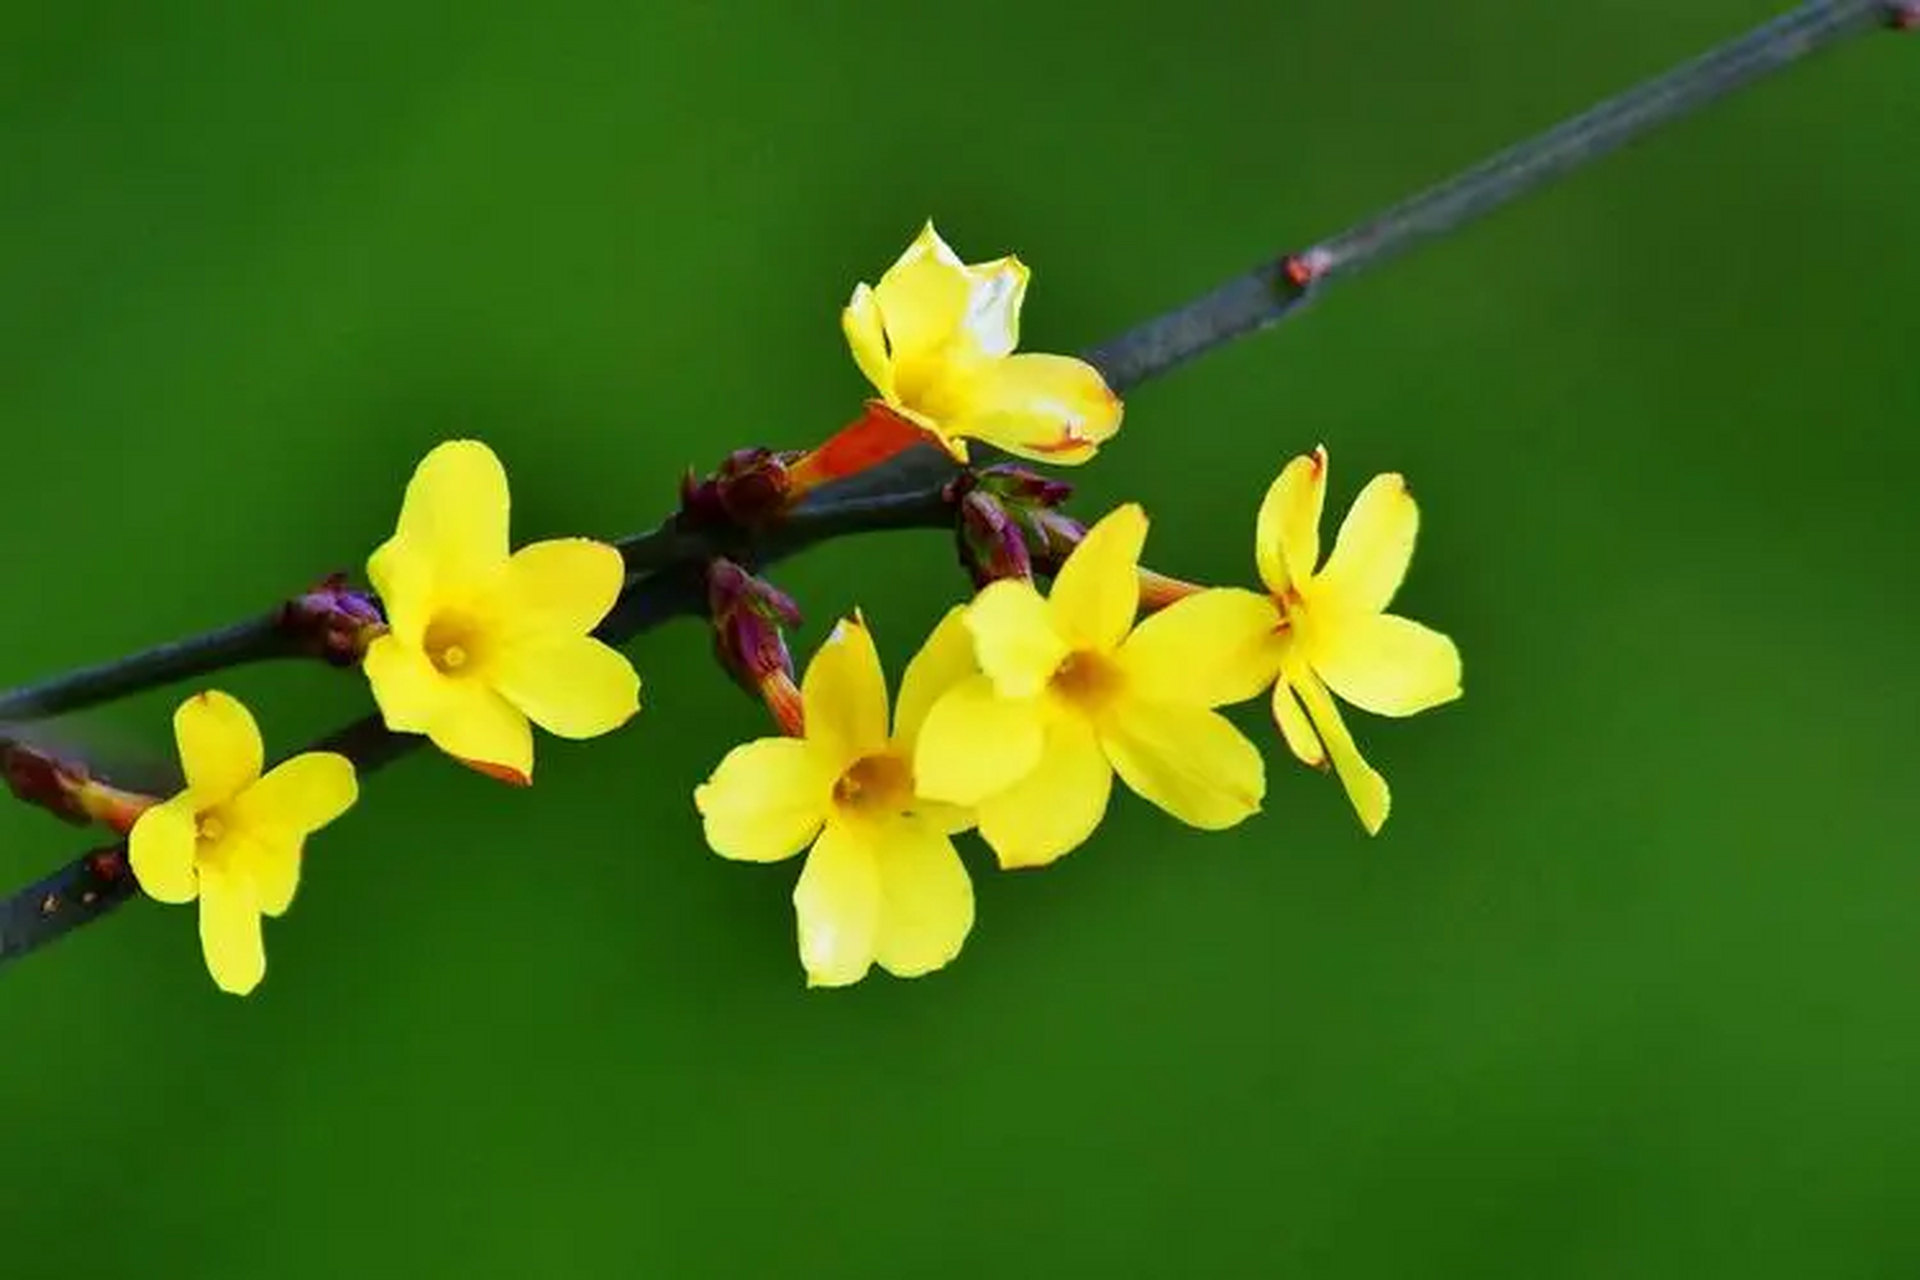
1292	607
450	643
209	828
876	784
1086	679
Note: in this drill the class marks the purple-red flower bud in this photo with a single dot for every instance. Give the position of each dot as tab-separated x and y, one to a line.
1008	526
750	488
333	622
750	617
992	543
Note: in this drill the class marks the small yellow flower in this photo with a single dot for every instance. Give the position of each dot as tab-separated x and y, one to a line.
882	883
233	838
936	339
1329	630
482	642
1071	692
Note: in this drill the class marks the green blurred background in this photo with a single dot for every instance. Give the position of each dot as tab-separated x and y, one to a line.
1626	988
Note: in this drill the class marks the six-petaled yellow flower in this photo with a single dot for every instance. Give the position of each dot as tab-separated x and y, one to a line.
233	838
1070	692
883	883
480	641
936	338
1325	630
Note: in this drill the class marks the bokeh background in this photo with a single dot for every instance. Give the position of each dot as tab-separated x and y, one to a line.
1626	988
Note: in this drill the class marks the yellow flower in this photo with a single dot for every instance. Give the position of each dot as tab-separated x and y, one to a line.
1329	630
882	883
1071	692
936	339
482	642
233	838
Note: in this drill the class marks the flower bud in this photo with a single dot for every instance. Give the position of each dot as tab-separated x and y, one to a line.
750	487
992	544
1008	526
333	622
67	788
750	617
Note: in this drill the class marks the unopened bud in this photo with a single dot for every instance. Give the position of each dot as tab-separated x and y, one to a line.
750	618
749	488
67	789
333	622
992	544
1054	535
1008	526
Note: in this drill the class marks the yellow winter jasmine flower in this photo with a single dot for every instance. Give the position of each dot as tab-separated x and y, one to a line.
1070	692
480	641
936	338
233	838
882	882
1328	630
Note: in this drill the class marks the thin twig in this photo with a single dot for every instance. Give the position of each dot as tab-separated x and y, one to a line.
666	559
1274	290
92	885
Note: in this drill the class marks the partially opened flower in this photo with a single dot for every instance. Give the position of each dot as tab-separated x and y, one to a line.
481	642
936	338
233	838
1070	692
1329	627
883	883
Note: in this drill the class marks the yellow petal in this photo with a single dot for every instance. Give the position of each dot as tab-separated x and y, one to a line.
230	930
974	743
1044	407
561	587
409	690
922	297
926	900
1372	551
837	905
845	695
1296	728
1097	592
943	662
995	292
949	818
1287	539
766	801
402	575
1189	761
477	726
273	864
455	514
573	686
298	796
1365	788
1056	806
1207	650
1386	664
161	851
867	339
1014	637
220	748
